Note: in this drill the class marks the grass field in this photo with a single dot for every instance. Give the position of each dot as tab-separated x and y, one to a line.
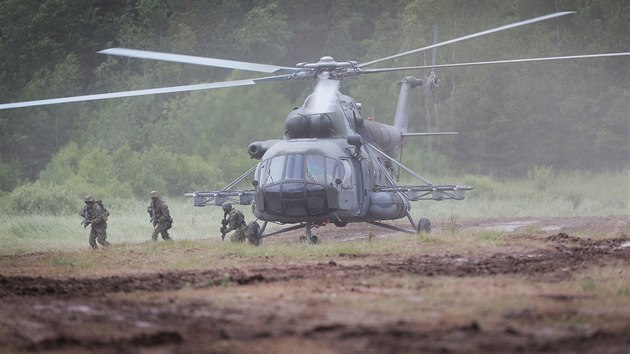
564	195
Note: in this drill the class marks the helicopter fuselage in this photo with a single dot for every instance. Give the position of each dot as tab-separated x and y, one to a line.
321	180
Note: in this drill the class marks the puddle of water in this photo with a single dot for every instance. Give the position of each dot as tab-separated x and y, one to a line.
552	228
142	324
80	308
507	226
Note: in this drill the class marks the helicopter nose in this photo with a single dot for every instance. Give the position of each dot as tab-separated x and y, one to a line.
296	199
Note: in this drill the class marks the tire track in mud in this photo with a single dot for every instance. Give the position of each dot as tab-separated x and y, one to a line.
468	338
161	281
146	340
569	253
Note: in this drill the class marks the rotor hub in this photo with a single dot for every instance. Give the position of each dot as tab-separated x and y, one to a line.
334	68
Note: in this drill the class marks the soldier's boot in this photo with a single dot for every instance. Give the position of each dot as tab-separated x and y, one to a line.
92	242
165	236
154	235
102	240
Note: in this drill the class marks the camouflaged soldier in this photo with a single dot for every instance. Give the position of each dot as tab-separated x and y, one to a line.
95	214
160	217
236	221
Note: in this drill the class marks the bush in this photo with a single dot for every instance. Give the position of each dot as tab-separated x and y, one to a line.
542	176
43	198
484	186
125	172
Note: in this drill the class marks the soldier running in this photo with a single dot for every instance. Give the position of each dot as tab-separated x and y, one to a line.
95	215
160	217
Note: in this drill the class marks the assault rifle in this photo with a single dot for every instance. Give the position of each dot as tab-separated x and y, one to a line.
154	218
86	221
85	213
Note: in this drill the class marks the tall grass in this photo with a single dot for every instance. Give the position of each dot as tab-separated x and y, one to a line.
566	194
128	223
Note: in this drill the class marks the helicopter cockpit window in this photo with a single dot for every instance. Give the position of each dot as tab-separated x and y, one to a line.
260	170
274	169
315	170
295	167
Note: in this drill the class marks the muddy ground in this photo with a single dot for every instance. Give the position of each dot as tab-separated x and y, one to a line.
544	285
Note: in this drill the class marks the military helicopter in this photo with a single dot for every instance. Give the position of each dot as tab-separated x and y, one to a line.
331	165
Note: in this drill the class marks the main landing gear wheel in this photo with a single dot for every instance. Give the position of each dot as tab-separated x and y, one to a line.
424	226
255	234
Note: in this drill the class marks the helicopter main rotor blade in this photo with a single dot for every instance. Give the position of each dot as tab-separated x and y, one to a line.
584	56
154	91
474	35
189	59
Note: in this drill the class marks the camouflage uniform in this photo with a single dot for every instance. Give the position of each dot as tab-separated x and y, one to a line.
160	217
236	221
94	214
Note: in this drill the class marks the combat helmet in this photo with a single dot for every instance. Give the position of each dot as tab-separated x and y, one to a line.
89	199
226	206
155	194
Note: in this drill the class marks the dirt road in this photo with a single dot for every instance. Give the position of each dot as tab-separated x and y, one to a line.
539	286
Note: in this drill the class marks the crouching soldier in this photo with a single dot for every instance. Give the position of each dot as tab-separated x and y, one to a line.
95	215
160	217
233	219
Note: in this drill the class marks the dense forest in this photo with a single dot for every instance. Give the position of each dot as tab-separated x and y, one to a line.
512	118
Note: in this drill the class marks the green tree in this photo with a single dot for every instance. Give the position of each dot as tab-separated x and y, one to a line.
264	33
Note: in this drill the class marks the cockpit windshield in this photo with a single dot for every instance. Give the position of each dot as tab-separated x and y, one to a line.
274	169
314	168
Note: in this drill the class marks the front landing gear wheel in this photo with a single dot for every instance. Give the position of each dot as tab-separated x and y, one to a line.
309	237
424	226
314	239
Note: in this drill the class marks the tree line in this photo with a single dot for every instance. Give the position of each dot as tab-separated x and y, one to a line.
570	115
